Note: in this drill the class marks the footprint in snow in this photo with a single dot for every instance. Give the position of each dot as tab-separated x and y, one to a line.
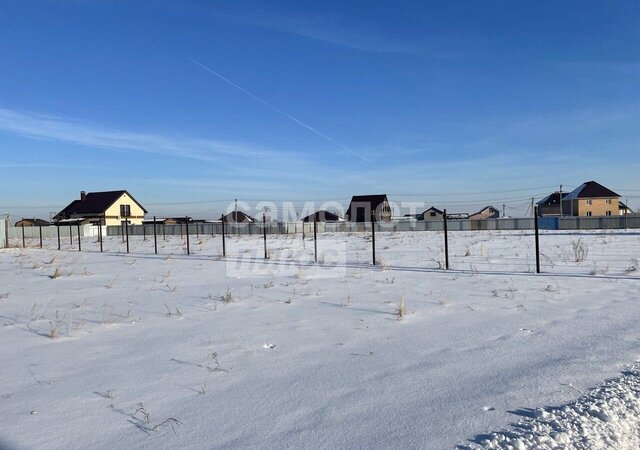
488	408
269	346
526	330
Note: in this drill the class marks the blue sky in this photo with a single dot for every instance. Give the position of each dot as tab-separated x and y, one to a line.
191	104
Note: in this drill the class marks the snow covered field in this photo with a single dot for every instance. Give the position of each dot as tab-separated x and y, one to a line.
135	350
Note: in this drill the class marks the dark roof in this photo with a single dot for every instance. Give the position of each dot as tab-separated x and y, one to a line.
95	203
623	206
322	216
373	201
434	209
239	217
552	199
592	189
35	222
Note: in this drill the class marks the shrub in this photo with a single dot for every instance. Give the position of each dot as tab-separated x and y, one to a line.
580	250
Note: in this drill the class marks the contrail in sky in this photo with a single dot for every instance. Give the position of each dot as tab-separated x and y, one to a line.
278	110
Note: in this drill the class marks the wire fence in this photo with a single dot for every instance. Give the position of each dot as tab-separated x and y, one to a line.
603	252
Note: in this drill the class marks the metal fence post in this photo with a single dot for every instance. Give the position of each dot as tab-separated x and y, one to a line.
224	250
70	234
186	225
535	221
144	232
264	233
373	236
104	219
126	231
315	238
40	230
446	241
79	241
155	237
23	241
100	233
58	233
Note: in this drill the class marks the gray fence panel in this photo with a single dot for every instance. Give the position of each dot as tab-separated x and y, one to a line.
50	232
524	223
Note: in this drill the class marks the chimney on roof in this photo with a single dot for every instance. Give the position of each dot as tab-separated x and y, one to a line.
83	196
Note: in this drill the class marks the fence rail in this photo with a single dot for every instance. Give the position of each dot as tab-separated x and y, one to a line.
444	249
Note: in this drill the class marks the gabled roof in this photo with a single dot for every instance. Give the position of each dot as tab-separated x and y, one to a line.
591	189
485	209
322	216
35	222
372	200
552	199
434	209
361	203
494	212
94	203
238	217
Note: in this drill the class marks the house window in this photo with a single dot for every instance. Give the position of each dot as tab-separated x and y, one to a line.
125	210
608	213
432	214
589	213
588	202
608	201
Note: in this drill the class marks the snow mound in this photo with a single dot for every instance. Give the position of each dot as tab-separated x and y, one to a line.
606	418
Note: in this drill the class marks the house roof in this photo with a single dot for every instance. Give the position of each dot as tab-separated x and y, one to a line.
94	203
624	206
434	209
36	222
238	217
372	200
484	209
322	216
552	199
591	189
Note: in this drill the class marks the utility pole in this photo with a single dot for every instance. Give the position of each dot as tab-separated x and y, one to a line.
503	210
560	200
